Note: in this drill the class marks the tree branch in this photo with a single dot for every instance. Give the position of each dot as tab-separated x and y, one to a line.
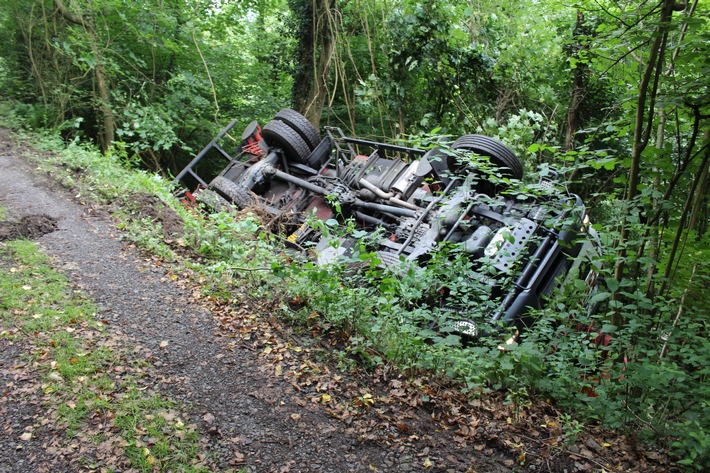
68	14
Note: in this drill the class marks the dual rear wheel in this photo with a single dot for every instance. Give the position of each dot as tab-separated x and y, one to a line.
297	137
293	133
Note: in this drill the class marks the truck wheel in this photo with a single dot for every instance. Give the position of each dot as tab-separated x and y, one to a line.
301	125
500	155
278	134
212	200
238	195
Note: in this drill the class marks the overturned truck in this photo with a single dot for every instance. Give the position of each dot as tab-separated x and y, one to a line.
413	202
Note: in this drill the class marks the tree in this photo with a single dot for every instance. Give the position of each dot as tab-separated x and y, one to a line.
579	79
100	73
317	24
646	114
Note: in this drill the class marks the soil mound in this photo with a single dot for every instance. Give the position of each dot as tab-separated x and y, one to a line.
147	205
30	226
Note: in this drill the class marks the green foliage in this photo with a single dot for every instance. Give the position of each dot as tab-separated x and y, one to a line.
525	132
170	67
403	68
571	427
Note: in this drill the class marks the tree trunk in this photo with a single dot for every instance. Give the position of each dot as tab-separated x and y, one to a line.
682	229
102	81
305	51
652	231
699	216
579	86
316	46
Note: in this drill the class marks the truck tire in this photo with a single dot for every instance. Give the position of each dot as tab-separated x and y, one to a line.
301	125
212	200
278	134
500	155
238	195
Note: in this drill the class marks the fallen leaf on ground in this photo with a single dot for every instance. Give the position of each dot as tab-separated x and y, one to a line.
208	418
238	458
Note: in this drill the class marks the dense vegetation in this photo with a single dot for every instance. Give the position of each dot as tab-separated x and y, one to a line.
613	95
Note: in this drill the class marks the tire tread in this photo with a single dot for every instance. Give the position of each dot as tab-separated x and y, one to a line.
278	134
238	195
301	125
499	154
